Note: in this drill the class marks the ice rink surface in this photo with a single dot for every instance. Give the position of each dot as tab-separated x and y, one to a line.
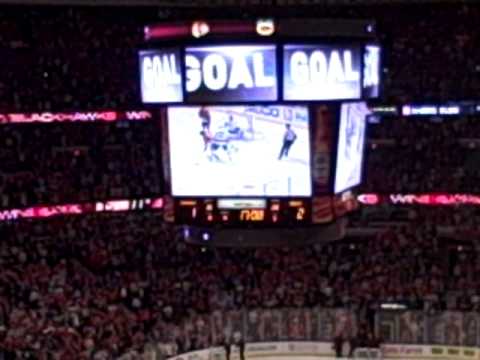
250	168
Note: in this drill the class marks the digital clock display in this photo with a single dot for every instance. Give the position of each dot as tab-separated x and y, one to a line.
252	215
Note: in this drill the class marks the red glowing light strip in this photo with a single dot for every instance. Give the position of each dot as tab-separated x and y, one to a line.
435	199
166	31
76	209
239	27
47	117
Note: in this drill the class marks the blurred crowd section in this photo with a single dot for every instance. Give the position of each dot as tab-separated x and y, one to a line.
423	155
112	283
60	163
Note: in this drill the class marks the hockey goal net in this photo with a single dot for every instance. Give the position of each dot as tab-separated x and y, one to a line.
239	119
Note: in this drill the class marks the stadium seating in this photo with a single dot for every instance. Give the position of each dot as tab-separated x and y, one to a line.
423	155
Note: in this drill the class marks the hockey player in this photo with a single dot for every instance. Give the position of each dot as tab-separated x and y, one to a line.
240	343
220	143
206	136
204	115
232	128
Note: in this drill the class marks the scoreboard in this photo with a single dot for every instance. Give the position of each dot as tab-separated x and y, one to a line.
237	212
262	123
247	179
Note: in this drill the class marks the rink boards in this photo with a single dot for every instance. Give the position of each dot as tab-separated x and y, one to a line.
323	350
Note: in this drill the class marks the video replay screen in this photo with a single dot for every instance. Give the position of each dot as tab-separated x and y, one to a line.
240	151
351	144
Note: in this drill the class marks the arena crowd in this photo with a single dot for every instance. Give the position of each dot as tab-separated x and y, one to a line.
99	286
107	284
423	155
59	163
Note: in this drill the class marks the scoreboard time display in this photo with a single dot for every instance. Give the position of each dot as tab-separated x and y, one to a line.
246	73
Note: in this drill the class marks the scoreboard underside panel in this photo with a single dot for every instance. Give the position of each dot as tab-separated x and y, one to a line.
267	237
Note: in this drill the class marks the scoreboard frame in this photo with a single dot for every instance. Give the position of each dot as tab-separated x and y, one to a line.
209	214
323	206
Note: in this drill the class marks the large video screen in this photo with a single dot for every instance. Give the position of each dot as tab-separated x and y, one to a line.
321	72
238	73
371	71
351	142
240	151
161	76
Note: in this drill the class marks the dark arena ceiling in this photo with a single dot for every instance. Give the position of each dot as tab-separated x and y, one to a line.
221	3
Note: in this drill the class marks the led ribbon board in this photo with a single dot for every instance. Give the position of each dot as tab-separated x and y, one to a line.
250	73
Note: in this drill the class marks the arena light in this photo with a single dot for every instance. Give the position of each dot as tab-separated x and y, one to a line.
200	29
265	27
